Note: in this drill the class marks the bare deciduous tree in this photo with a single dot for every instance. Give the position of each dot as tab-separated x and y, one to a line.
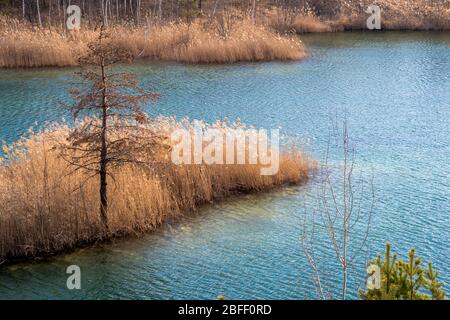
110	134
341	213
225	21
38	13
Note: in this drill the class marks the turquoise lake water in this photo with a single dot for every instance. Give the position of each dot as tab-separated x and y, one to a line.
394	91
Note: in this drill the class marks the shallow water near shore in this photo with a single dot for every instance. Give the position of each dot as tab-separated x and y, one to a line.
394	89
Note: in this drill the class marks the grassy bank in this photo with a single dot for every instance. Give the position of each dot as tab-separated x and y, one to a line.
45	210
22	45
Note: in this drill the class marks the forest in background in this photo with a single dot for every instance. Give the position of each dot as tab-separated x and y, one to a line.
412	14
50	11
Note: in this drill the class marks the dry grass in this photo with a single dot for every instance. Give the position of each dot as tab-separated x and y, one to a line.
397	15
44	210
304	21
350	15
196	43
22	45
203	40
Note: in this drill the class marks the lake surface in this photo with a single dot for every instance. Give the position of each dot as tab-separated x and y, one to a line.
393	89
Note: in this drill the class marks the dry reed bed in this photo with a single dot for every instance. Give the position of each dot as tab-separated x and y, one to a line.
197	42
350	15
22	45
399	14
202	41
45	210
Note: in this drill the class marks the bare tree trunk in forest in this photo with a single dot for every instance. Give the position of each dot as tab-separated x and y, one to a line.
253	10
105	12
138	11
64	12
39	13
110	9
59	9
160	10
50	12
23	9
215	8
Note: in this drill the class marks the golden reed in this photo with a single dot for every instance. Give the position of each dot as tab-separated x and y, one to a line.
345	15
45	210
242	39
26	46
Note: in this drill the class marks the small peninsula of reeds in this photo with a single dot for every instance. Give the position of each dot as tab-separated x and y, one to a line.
46	207
25	46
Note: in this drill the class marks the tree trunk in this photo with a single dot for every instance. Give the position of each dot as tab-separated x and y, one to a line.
110	9
106	12
215	8
254	11
103	155
50	12
59	10
64	8
138	11
160	9
39	13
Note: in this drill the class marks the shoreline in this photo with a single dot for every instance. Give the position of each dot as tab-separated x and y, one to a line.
304	53
24	46
176	218
233	35
61	213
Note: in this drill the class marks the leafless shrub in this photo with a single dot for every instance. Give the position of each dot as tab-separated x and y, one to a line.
340	215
